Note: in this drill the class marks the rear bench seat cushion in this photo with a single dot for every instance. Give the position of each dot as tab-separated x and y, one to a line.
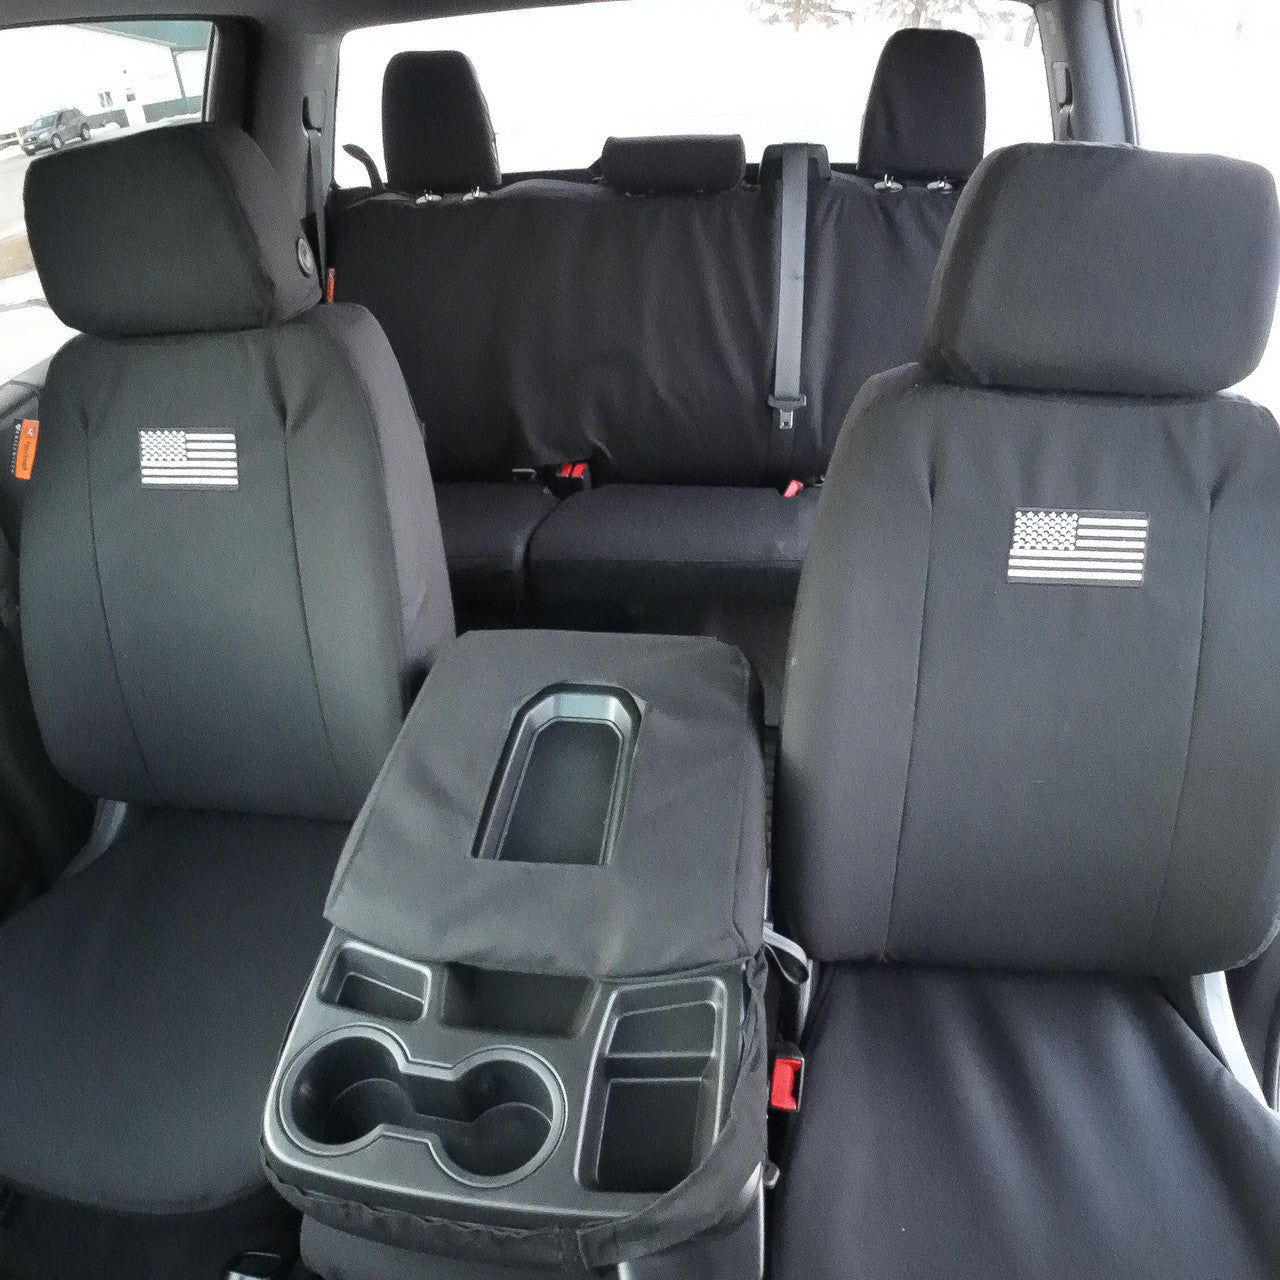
487	529
627	543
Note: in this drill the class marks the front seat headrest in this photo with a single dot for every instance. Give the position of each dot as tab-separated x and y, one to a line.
436	132
1106	270
181	229
926	114
692	164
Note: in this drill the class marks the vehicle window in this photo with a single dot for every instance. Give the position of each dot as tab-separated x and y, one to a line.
771	70
1203	80
60	88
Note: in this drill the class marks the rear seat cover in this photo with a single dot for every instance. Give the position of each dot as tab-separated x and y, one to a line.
593	340
557	320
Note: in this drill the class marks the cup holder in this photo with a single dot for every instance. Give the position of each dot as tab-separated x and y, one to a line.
490	1120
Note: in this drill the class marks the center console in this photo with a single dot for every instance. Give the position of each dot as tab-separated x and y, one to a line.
534	1041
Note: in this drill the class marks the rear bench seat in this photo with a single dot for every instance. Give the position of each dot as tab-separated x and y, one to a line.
630	323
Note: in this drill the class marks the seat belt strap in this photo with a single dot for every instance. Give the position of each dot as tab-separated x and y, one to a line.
313	122
793	217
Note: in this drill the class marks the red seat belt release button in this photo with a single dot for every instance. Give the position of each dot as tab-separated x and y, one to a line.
793	489
786	1084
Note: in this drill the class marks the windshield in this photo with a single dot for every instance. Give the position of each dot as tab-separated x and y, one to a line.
45	122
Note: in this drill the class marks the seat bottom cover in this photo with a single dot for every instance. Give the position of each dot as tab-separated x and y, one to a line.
975	1125
143	1004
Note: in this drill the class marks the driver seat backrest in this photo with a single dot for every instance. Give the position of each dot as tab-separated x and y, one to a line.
1030	747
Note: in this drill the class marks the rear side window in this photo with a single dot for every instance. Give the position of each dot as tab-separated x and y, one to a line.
71	86
1204	80
559	80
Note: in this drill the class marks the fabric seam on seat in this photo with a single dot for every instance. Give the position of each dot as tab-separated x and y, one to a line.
106	622
306	620
403	630
1191	733
915	718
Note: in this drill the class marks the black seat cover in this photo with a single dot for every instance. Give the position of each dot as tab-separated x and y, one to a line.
1025	768
926	116
232	580
436	132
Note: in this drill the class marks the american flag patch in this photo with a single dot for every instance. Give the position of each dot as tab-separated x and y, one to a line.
1105	548
176	459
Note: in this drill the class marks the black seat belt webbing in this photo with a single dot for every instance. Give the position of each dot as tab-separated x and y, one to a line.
787	397
313	122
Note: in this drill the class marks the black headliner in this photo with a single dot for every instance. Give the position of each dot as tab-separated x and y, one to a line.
320	16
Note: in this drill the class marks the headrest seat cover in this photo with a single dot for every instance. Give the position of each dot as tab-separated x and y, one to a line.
926	114
186	230
436	132
1107	270
701	164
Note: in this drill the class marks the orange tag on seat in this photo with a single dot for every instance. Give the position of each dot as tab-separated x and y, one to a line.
24	453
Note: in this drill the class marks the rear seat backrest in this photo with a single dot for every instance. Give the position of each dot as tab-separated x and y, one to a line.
558	321
631	322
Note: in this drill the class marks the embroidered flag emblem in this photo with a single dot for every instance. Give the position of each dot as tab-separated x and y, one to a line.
178	459
1103	548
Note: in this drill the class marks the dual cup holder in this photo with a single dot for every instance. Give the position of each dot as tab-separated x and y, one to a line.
488	1121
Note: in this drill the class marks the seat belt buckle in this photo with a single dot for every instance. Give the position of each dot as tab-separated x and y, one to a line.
570	478
786	1081
785	409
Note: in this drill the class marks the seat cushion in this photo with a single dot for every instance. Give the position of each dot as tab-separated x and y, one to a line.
487	528
144	1003
978	1125
626	543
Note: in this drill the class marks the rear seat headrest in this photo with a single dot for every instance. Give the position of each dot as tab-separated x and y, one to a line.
703	163
182	229
1106	269
927	111
436	132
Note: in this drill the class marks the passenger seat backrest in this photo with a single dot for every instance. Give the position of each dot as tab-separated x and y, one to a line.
436	133
1031	718
231	569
